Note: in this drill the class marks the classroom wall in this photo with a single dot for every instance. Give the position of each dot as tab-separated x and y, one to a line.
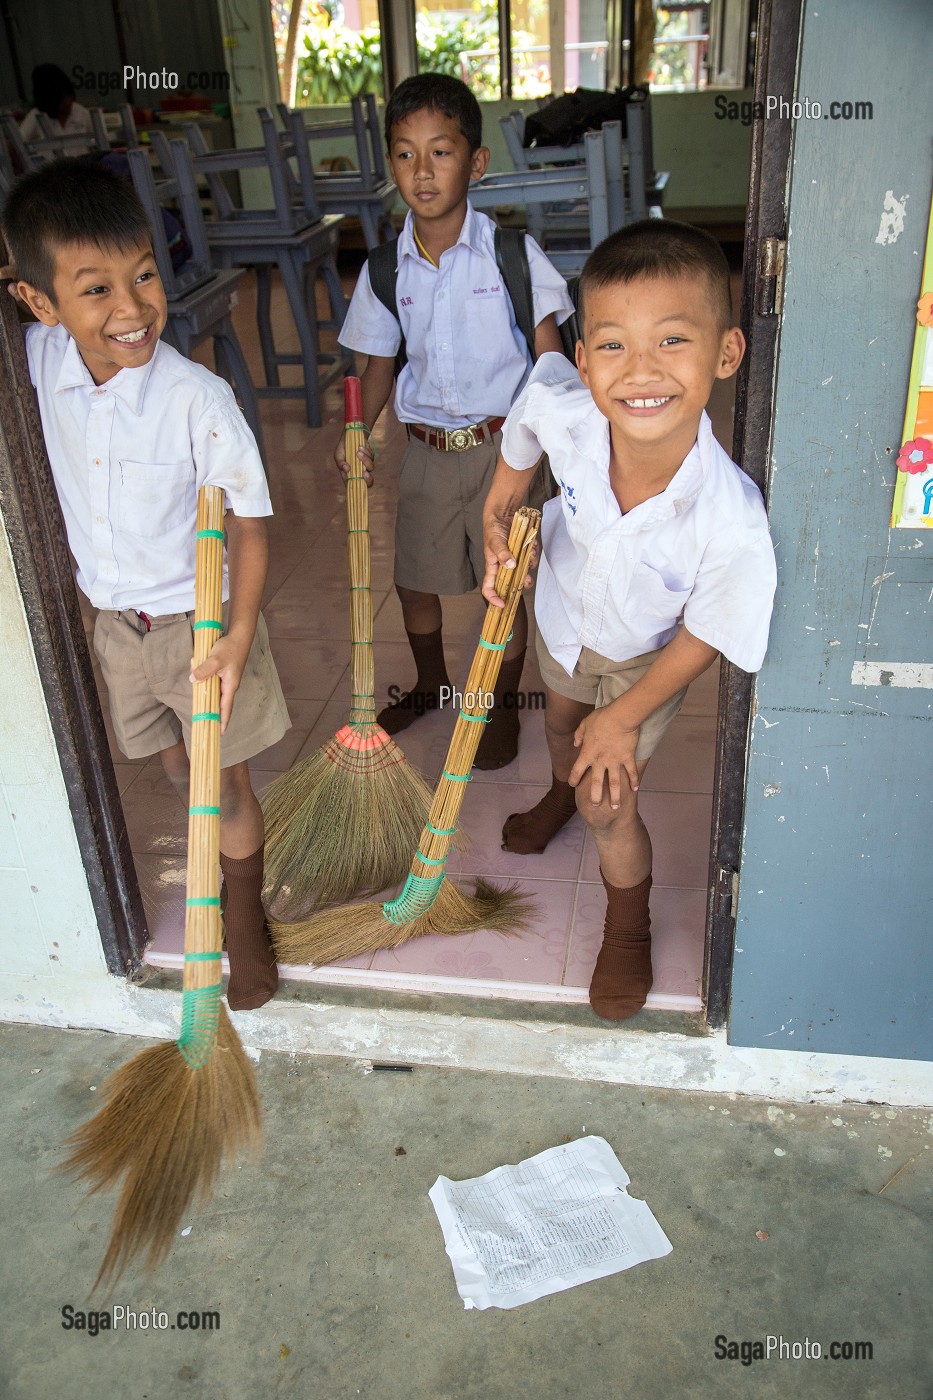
172	34
48	931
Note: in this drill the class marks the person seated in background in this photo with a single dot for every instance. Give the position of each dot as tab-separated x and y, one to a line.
53	95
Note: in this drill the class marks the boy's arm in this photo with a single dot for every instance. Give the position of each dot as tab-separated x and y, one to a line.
506	493
376	384
607	738
547	336
247	564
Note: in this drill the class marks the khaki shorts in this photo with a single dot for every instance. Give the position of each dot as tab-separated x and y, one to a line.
598	681
439	525
150	694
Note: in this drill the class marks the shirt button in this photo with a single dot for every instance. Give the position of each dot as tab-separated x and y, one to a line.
100	520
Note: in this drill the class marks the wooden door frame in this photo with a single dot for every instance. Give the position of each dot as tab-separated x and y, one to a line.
36	532
779	33
34	526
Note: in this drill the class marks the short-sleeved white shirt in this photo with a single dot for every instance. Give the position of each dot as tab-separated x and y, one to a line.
467	359
77	123
128	458
698	553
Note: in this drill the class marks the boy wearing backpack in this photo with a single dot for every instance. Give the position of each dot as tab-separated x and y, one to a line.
467	360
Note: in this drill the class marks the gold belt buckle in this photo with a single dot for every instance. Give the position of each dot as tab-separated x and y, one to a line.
459	439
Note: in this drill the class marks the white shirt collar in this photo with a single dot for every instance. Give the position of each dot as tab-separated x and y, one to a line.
590	436
129	385
469	234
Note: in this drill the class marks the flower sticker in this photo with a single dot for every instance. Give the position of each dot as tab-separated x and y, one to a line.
925	309
915	456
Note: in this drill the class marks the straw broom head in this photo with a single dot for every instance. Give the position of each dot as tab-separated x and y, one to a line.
173	1113
429	903
344	821
363	928
165	1129
341	823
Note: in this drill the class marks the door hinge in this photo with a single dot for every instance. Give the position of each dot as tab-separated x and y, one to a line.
727	891
772	261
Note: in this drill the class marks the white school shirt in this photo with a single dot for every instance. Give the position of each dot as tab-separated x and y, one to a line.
128	458
77	123
467	359
698	553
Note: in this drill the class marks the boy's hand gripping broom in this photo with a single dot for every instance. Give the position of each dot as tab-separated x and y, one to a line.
430	902
175	1111
343	821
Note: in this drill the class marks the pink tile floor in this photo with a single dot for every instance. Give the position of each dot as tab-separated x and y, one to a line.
307	614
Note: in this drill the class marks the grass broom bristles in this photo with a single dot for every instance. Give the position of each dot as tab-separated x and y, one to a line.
364	928
166	1129
429	902
343	821
334	830
175	1111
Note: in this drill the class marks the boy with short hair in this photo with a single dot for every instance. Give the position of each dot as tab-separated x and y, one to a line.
467	360
655	557
132	430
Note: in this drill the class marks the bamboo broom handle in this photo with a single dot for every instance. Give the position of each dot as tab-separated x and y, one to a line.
362	669
202	907
448	798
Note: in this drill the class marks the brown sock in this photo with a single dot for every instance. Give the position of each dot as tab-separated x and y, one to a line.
499	743
622	976
528	833
428	650
253	972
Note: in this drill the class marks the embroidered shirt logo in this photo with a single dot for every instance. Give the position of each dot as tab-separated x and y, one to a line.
492	291
569	494
404	301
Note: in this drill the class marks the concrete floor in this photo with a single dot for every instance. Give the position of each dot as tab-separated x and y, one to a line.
327	1267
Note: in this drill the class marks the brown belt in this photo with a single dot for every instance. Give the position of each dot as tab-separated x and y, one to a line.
455	439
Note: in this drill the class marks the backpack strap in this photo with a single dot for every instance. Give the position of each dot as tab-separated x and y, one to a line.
383	276
512	259
570	330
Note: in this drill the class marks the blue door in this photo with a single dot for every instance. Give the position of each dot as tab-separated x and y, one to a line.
834	921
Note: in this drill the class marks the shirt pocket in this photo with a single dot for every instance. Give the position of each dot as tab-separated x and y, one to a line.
662	600
155	497
487	328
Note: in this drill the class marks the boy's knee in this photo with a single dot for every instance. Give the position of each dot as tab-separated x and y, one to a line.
561	732
601	816
176	767
235	792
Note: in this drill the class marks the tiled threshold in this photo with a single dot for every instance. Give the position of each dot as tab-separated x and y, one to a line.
433	985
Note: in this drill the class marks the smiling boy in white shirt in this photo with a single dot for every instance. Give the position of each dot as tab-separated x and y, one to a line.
132	430
655	557
467	360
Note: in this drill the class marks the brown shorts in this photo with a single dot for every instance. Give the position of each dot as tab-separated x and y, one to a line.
146	674
439	525
598	681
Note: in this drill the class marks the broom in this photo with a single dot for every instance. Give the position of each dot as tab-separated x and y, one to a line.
343	821
176	1110
429	901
